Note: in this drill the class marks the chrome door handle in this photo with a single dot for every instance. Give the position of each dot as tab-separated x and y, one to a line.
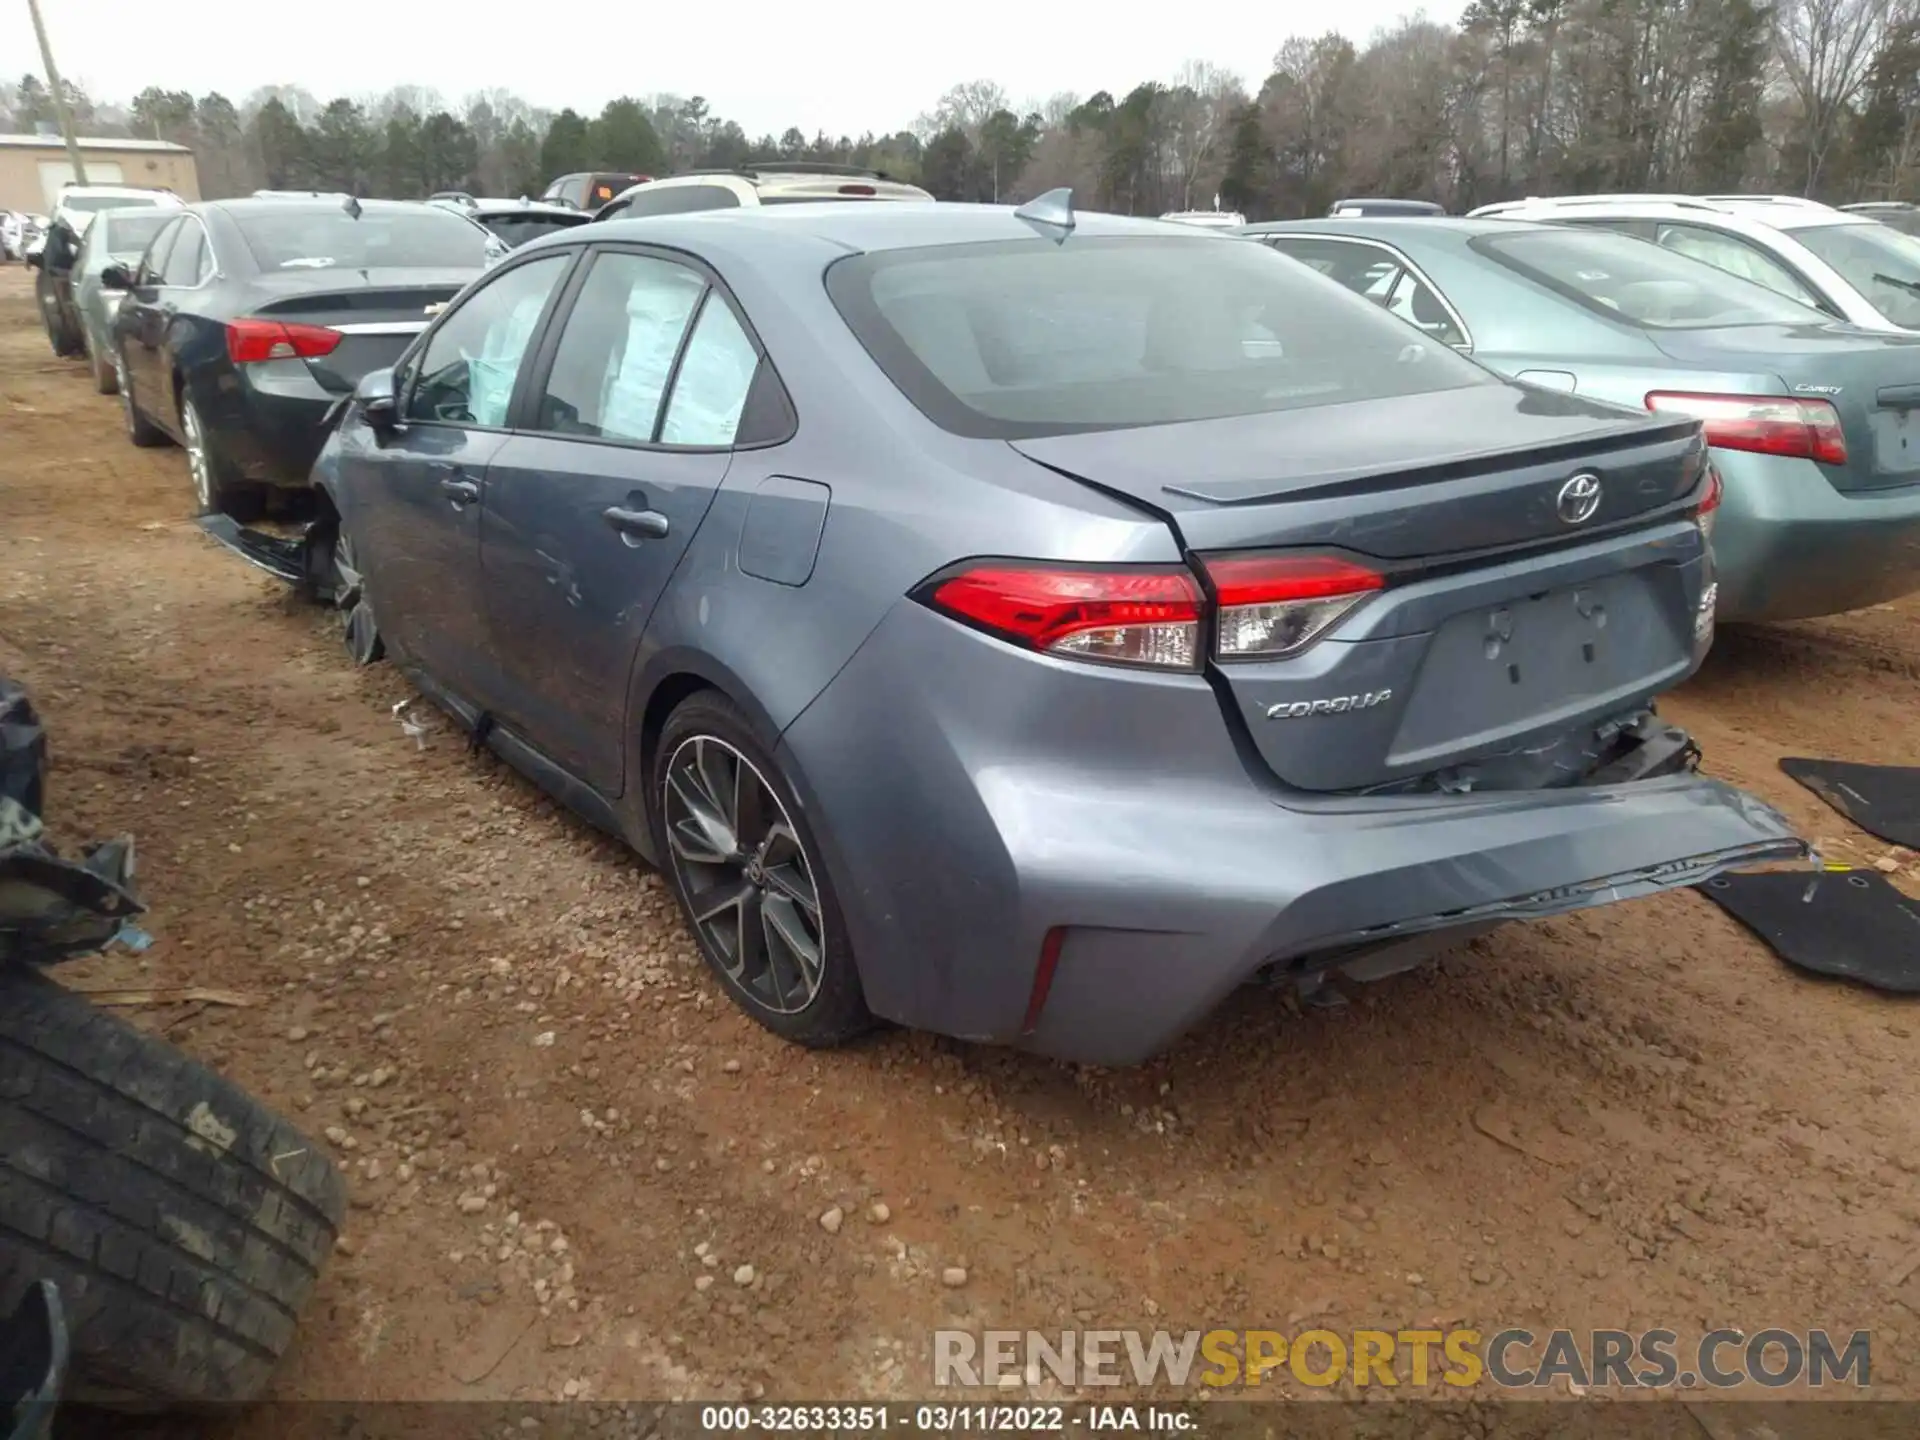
460	492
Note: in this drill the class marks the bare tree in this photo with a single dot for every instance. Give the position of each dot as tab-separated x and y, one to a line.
966	108
1826	50
1200	107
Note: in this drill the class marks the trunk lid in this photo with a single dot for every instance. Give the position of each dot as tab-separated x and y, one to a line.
1505	629
378	312
1871	377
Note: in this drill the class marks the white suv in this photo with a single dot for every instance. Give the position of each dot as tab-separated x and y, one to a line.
78	204
758	182
1845	263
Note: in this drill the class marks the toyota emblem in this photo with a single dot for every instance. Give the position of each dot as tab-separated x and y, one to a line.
1578	498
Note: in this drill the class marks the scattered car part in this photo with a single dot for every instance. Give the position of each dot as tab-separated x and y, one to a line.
1848	924
1883	800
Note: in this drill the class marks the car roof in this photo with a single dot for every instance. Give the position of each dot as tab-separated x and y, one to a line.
521	206
306	204
1392	228
857	228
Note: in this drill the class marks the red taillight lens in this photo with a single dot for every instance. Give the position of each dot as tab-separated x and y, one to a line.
1133	616
251	341
1765	424
1276	605
1710	502
857	190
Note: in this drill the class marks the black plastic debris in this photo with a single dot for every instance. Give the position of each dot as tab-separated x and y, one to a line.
1883	800
1846	923
23	749
282	558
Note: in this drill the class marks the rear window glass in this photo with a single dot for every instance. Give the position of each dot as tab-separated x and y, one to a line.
131	234
1026	338
89	204
1880	262
288	238
1640	282
519	229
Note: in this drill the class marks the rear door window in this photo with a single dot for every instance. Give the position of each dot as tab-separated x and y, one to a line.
617	352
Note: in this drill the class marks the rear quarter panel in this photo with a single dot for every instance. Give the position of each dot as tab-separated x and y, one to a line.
905	499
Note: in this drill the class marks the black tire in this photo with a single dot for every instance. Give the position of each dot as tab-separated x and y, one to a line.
837	1011
220	490
102	367
345	588
65	346
184	1222
140	430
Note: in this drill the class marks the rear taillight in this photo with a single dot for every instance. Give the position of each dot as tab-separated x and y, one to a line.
251	341
1122	615
1276	605
1765	424
1710	501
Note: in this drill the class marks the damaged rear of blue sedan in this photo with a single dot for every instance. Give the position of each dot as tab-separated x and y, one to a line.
1033	628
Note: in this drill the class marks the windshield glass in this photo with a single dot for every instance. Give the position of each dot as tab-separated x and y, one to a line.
1025	337
1642	283
1880	262
519	229
127	236
330	239
89	204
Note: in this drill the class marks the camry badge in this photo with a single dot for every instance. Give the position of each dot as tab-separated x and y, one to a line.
1578	498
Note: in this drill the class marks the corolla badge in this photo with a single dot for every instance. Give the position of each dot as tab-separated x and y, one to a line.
1578	498
1335	705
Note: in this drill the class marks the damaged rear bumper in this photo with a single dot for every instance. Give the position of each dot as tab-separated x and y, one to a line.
1055	858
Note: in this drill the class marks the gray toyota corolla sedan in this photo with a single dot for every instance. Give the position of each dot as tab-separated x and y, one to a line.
1032	629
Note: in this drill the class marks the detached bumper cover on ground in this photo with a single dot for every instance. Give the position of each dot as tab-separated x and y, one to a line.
1171	874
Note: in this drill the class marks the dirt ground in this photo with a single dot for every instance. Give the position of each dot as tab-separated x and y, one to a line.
578	1171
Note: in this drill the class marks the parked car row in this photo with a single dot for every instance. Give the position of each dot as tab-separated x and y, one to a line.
897	578
1810	397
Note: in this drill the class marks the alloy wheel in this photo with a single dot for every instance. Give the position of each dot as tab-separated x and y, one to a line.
199	465
746	877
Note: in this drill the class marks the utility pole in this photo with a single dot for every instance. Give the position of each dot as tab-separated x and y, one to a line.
59	90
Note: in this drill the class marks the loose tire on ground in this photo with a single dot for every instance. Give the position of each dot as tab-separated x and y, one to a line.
184	1222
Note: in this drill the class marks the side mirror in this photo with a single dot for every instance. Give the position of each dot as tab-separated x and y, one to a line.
116	276
377	400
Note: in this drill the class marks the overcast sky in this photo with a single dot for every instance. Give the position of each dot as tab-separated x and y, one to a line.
841	67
